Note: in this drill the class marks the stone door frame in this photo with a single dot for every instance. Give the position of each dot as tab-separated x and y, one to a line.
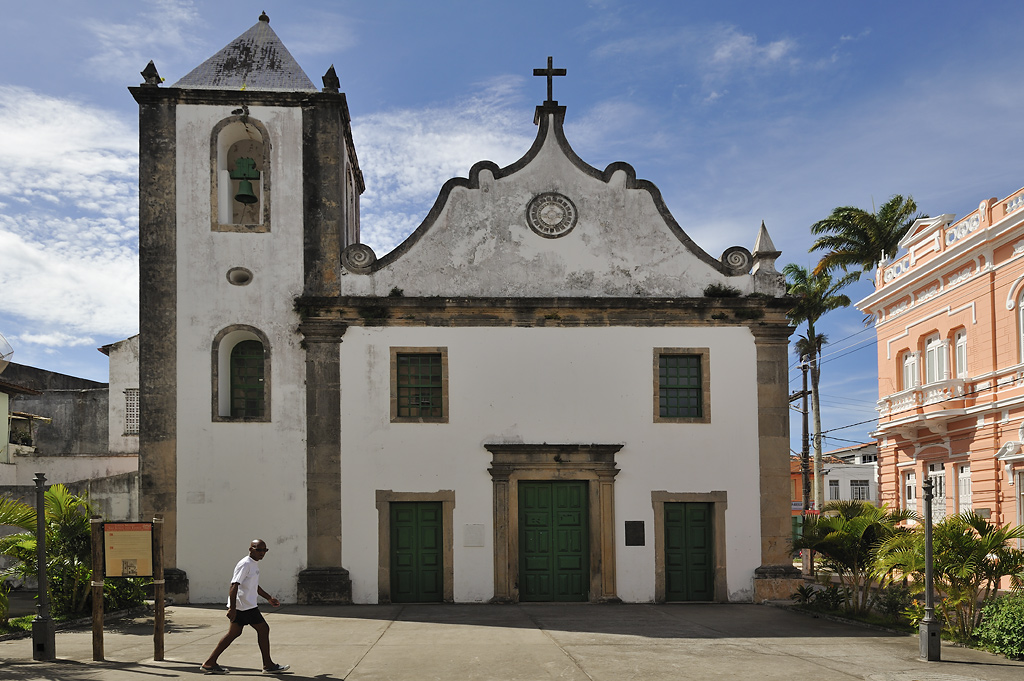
384	499
718	501
594	464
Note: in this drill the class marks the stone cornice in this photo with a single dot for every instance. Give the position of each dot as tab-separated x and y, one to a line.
764	316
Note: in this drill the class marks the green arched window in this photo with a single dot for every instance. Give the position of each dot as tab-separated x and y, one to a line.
247	367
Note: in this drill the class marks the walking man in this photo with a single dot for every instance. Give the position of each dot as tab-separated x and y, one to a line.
242	610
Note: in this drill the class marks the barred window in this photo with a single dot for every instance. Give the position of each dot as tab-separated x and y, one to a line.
679	385
419	385
860	490
131	411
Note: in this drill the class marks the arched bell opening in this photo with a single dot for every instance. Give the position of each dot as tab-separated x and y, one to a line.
241	178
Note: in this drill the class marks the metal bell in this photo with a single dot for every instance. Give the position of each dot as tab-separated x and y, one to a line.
245	194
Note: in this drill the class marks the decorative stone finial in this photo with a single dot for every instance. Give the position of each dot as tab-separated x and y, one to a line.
766	278
153	78
331	82
264	17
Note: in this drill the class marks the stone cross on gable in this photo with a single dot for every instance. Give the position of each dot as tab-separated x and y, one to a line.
550	72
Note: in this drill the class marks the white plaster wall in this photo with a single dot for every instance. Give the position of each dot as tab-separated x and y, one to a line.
481	244
238	481
553	385
124	374
844	473
69	468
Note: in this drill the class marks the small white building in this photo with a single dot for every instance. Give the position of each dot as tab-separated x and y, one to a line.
547	392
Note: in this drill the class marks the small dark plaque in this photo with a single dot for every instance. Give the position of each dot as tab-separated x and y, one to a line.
984	512
634	533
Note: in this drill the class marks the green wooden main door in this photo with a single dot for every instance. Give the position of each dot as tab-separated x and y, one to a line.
553	546
689	556
417	574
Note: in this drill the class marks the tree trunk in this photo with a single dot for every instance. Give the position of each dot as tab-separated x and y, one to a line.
819	482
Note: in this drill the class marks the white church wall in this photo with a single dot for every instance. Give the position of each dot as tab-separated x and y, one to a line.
124	376
239	480
548	385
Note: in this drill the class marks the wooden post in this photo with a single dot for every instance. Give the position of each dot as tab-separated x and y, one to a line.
98	573
158	588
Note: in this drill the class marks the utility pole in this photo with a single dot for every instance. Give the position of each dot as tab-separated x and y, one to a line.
805	466
819	479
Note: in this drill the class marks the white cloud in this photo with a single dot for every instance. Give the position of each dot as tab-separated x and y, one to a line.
407	155
162	27
68	231
57	150
54	340
714	56
320	33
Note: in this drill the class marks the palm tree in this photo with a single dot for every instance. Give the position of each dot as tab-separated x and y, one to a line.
68	545
852	237
847	536
816	294
970	558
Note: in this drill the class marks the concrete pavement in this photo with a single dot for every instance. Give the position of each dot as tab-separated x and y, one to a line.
527	642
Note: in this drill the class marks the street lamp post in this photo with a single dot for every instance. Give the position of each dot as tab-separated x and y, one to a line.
929	627
43	633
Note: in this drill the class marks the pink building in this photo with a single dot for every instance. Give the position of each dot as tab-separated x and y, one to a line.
948	314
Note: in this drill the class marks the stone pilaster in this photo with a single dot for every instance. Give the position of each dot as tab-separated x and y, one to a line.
776	577
158	474
324	580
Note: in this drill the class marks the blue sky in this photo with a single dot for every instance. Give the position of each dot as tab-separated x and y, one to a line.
738	111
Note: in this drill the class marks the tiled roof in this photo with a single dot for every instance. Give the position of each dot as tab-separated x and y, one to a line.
255	60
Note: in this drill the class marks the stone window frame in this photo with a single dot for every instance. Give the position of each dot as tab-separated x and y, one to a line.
595	464
719	504
705	378
223	343
266	175
395	351
383	499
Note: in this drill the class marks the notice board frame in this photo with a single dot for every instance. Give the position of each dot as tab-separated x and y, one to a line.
127	549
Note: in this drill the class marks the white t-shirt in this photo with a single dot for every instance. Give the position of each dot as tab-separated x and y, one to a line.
247	576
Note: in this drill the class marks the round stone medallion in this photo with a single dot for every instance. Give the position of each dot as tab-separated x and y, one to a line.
551	215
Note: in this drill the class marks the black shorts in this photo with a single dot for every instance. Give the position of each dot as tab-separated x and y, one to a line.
251	617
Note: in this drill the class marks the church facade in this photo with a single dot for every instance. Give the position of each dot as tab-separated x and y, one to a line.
548	392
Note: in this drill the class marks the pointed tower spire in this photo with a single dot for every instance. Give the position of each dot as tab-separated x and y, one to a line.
255	60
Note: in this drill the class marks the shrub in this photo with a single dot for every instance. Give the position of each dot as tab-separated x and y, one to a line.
1002	626
893	601
721	291
831	597
803	595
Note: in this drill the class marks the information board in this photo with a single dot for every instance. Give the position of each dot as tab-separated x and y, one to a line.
128	549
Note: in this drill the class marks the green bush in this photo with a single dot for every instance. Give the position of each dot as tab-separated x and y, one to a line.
831	598
893	601
1002	626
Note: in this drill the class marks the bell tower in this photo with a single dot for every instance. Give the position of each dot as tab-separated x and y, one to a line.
248	192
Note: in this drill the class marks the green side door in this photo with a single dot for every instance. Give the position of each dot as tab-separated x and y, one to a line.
416	553
689	555
553	541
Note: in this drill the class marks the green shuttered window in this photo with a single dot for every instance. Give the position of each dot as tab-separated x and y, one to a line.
679	386
420	385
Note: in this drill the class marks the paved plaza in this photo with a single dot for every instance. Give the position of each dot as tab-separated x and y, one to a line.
526	642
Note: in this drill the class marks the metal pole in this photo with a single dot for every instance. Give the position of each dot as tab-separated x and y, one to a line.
98	575
807	562
43	632
158	588
929	627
